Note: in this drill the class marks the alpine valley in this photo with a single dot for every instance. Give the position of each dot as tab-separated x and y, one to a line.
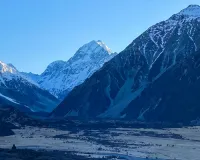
155	78
141	103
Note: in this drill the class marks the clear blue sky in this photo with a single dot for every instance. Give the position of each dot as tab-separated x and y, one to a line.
33	33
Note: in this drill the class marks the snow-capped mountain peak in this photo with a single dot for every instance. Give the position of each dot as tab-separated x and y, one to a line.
191	11
60	77
9	72
5	68
93	48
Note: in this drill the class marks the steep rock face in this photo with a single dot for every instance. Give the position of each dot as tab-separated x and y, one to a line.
16	89
174	97
61	77
111	89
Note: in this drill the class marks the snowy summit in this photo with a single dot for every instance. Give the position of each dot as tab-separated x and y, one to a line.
191	10
61	77
5	68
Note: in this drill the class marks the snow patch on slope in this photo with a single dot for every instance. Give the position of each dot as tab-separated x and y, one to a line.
102	44
9	99
123	98
4	68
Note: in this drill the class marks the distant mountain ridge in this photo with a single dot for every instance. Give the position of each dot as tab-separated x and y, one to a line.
22	92
61	77
112	92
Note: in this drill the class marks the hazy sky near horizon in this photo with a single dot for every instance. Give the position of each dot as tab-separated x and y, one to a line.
34	33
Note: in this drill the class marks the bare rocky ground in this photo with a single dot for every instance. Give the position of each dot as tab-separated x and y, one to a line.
98	141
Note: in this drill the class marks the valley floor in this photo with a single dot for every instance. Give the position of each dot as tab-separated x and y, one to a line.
124	143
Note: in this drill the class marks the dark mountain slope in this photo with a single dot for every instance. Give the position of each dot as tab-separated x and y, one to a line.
98	92
110	91
174	97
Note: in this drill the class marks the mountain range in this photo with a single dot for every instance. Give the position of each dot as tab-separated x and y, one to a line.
42	93
61	77
156	77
